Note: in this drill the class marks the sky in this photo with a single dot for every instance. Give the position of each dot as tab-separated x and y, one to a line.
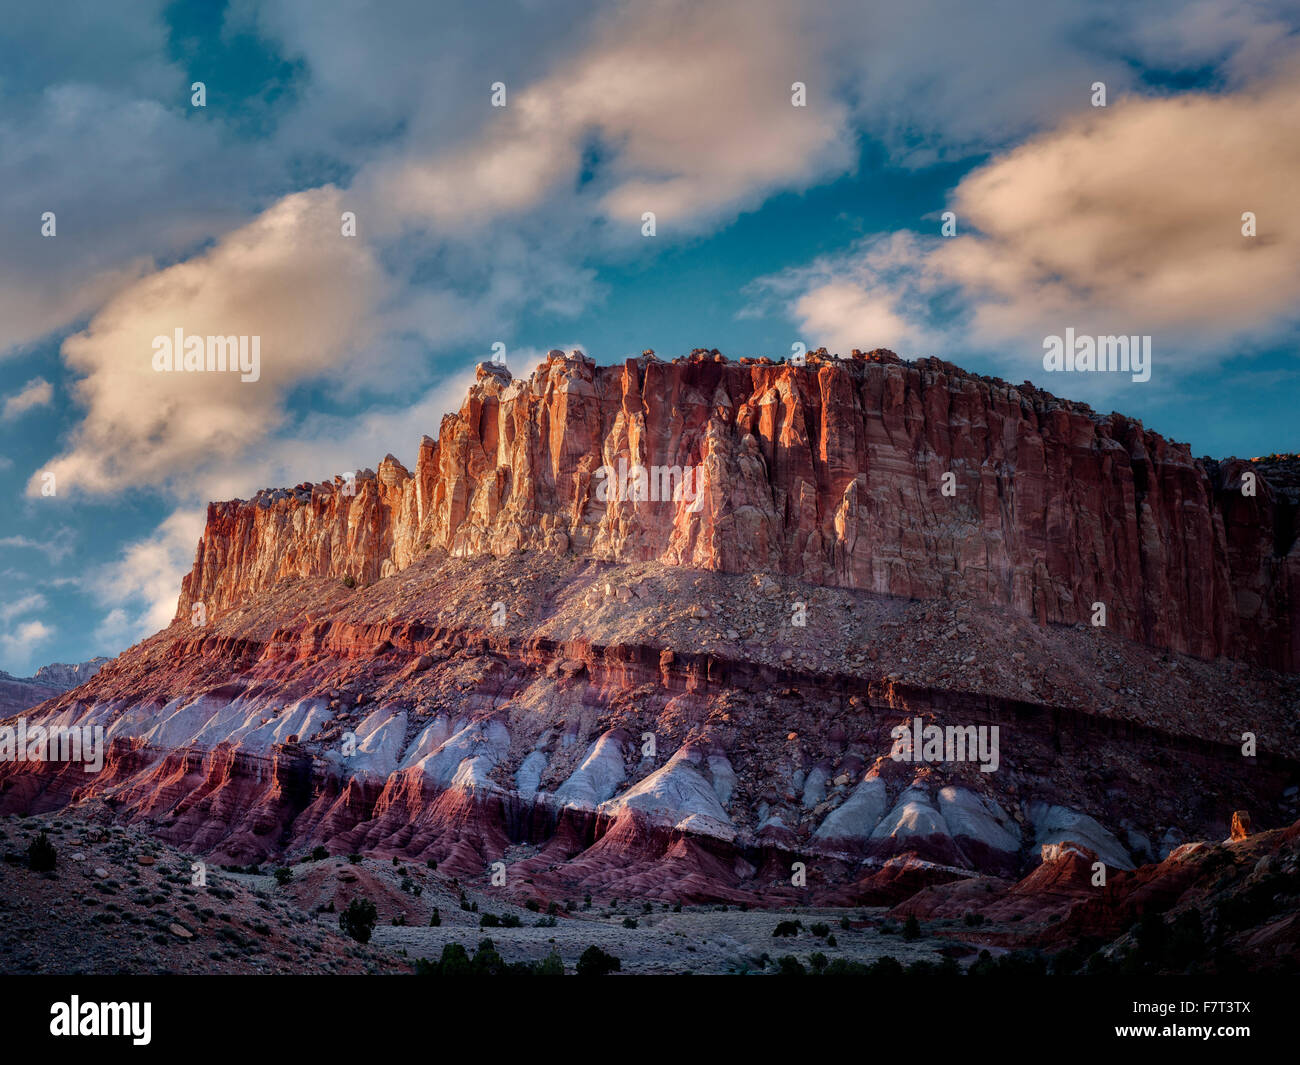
1111	168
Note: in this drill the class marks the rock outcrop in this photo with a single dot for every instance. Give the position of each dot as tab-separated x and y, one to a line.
18	693
911	479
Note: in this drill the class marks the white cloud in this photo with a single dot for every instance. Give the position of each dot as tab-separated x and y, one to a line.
55	547
289	278
19	607
118	630
36	393
1127	220
690	106
19	645
142	586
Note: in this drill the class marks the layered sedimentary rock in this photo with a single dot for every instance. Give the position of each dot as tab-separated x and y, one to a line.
836	472
682	741
682	696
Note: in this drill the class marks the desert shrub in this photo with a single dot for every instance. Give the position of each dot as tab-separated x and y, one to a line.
454	962
283	874
436	919
41	854
629	922
886	967
319	854
1019	963
789	965
595	962
787	928
359	919
911	928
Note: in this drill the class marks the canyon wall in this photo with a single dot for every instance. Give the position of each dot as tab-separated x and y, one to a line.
833	472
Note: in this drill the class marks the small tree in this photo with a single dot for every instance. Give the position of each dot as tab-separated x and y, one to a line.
319	854
283	874
359	919
595	962
41	855
911	928
551	965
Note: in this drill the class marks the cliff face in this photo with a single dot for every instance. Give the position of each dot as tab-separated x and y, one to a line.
835	473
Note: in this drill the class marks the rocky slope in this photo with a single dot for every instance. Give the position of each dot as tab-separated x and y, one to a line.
482	663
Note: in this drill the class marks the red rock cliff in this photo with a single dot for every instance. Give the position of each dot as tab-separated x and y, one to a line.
833	472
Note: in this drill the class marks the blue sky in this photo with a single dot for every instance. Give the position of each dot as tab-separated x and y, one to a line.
522	225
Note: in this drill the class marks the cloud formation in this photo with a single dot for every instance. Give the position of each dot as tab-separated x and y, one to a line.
289	277
667	120
36	393
1128	219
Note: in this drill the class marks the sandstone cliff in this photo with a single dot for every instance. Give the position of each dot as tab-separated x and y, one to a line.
832	472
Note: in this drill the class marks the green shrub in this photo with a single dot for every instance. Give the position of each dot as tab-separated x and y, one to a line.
359	919
551	965
41	854
595	962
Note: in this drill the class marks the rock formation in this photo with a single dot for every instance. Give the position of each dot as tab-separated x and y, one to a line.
681	697
833	472
18	693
